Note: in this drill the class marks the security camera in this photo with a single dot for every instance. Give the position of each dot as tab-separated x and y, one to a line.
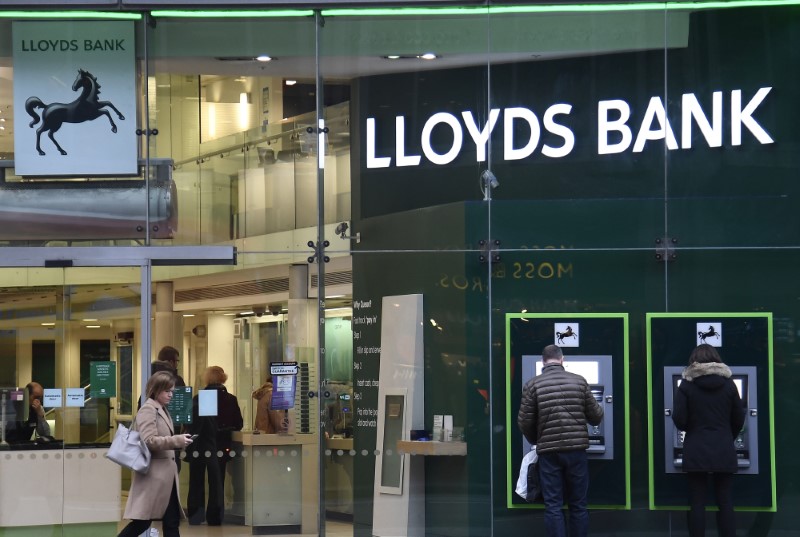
275	309
489	179
259	310
341	230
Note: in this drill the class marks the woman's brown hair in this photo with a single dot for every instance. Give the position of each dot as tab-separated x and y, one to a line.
160	381
215	375
703	354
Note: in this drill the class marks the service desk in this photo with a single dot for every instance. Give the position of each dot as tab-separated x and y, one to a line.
75	489
276	482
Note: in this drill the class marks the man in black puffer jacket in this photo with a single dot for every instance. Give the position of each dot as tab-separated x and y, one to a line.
553	415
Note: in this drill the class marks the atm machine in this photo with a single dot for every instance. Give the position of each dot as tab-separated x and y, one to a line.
746	442
598	373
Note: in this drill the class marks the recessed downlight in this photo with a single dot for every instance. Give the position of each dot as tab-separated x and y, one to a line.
291	82
423	56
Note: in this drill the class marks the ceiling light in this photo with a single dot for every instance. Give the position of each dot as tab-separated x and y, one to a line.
90	320
291	82
48	324
264	58
92	326
188	314
424	56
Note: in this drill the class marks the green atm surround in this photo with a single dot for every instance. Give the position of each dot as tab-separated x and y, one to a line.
612	332
670	339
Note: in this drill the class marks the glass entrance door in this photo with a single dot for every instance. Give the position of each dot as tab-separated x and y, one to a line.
69	341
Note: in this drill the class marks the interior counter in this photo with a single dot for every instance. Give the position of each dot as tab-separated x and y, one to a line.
44	487
276	481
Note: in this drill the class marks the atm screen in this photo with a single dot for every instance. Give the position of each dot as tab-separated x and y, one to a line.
741	385
739	381
589	370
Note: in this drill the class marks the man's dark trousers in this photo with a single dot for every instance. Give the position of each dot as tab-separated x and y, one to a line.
564	476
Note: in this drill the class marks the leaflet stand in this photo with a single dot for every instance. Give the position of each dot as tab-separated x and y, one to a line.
399	486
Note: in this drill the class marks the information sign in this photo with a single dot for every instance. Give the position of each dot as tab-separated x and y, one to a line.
103	379
180	408
284	383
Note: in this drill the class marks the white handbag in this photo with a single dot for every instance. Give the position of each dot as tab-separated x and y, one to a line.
129	450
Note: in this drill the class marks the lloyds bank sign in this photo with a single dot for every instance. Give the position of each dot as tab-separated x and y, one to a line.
731	119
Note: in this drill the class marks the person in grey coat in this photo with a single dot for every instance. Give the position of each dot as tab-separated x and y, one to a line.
708	408
553	415
154	495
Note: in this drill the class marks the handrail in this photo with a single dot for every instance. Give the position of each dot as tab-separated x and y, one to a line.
244	146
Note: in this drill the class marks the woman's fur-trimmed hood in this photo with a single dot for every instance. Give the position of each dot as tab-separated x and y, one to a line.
698	370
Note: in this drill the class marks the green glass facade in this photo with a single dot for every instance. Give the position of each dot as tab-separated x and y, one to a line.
628	166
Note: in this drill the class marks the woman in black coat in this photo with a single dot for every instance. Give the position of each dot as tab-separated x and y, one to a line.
210	453
709	410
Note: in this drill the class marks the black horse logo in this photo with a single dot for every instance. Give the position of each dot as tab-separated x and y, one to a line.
711	332
566	333
84	108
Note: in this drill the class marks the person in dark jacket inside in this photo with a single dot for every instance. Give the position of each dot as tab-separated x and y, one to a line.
708	408
167	360
214	439
553	415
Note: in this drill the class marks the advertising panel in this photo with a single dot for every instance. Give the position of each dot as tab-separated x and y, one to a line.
75	87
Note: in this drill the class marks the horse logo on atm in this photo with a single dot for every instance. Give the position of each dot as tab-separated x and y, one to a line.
566	335
709	333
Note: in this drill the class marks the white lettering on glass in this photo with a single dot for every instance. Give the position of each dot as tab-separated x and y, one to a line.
655	112
559	130
480	137
372	160
620	125
614	132
511	114
400	144
740	116
691	109
458	138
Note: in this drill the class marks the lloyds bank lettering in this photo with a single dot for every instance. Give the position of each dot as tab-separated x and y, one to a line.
72	45
617	129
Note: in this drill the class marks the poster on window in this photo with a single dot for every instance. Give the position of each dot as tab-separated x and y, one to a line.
74	98
284	382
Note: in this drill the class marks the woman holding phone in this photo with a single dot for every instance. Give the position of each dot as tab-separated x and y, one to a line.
155	495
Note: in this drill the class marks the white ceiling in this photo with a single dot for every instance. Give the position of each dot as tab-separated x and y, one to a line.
352	47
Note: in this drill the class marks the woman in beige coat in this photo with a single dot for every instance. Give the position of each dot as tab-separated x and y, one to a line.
155	495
